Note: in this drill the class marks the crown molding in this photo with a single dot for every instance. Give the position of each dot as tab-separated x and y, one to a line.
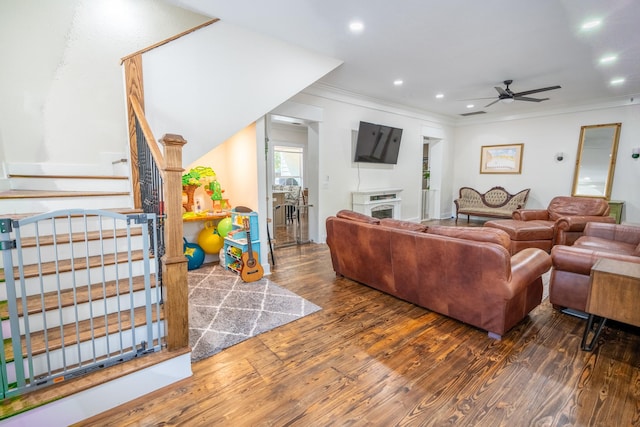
333	93
324	90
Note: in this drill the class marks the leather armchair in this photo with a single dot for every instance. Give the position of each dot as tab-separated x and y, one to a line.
569	284
568	216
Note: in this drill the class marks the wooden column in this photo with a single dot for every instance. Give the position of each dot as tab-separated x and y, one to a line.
174	263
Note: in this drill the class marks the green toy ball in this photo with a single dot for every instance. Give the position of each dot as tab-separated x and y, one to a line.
224	227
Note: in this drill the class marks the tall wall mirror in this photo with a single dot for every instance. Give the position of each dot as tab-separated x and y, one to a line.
596	160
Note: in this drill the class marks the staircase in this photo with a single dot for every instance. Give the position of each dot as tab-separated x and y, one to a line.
84	297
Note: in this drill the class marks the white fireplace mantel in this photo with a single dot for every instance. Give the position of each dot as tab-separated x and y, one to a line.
378	202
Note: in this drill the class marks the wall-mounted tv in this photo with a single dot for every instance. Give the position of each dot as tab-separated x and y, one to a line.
377	143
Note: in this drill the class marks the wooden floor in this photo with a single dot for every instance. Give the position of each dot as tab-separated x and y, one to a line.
370	359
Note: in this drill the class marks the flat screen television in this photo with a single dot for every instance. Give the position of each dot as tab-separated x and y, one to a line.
377	143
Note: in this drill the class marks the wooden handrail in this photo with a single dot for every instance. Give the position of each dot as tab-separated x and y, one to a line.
148	135
165	41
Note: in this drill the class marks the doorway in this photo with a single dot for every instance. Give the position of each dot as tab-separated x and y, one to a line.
287	181
426	180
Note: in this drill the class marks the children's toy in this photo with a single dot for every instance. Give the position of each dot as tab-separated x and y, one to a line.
224	227
209	239
194	254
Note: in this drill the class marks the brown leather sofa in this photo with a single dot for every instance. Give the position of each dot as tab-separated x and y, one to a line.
465	273
560	224
569	284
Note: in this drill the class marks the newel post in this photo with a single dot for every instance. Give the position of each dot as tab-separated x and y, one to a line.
174	263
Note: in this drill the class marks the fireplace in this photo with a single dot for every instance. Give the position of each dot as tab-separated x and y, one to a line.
378	203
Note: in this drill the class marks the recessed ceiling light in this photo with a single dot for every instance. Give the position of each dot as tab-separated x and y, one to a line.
617	81
590	25
608	59
440	95
398	82
470	105
356	26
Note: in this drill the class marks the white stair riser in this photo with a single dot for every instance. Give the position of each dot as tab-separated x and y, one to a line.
50	283
43	254
22	206
105	167
68	314
101	346
61	184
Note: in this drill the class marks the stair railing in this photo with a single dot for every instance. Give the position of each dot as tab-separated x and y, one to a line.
158	189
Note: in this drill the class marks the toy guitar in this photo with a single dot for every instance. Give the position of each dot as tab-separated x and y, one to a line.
251	268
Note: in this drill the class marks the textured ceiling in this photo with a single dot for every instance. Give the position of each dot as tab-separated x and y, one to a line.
461	48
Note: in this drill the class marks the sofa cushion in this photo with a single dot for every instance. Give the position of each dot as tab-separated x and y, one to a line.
356	216
402	225
478	234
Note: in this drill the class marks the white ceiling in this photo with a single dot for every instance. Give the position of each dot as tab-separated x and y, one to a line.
461	48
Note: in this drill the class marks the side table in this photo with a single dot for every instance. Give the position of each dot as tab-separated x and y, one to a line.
614	294
615	210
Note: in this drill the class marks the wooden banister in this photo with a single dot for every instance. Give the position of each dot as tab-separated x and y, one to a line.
169	167
170	39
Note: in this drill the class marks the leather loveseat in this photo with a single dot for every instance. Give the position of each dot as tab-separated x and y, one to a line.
569	283
465	273
560	224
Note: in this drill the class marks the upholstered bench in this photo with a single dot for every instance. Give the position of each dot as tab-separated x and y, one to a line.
525	234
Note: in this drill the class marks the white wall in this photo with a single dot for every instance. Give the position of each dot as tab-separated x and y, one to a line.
339	176
207	85
61	79
543	137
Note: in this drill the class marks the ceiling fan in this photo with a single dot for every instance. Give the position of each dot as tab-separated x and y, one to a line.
507	95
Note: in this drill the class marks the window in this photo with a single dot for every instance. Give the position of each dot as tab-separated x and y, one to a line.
287	165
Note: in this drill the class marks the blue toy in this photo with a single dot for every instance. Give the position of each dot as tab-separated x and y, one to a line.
194	254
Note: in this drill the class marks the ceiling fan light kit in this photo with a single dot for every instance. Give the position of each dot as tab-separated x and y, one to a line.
507	96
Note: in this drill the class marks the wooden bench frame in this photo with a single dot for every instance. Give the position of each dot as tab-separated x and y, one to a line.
495	203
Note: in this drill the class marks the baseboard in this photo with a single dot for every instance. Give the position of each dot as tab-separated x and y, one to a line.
96	400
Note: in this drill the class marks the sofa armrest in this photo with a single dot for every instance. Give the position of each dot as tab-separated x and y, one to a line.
526	266
580	260
530	214
468	198
357	216
612	231
578	222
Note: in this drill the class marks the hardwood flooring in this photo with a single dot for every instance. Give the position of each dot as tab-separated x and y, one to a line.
371	359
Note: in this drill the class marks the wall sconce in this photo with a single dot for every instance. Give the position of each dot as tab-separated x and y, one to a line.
635	152
559	157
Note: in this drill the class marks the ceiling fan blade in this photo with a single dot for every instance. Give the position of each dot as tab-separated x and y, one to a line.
501	91
524	98
491	103
475	99
542	89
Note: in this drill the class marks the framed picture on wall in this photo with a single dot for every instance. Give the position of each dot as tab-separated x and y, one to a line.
501	158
